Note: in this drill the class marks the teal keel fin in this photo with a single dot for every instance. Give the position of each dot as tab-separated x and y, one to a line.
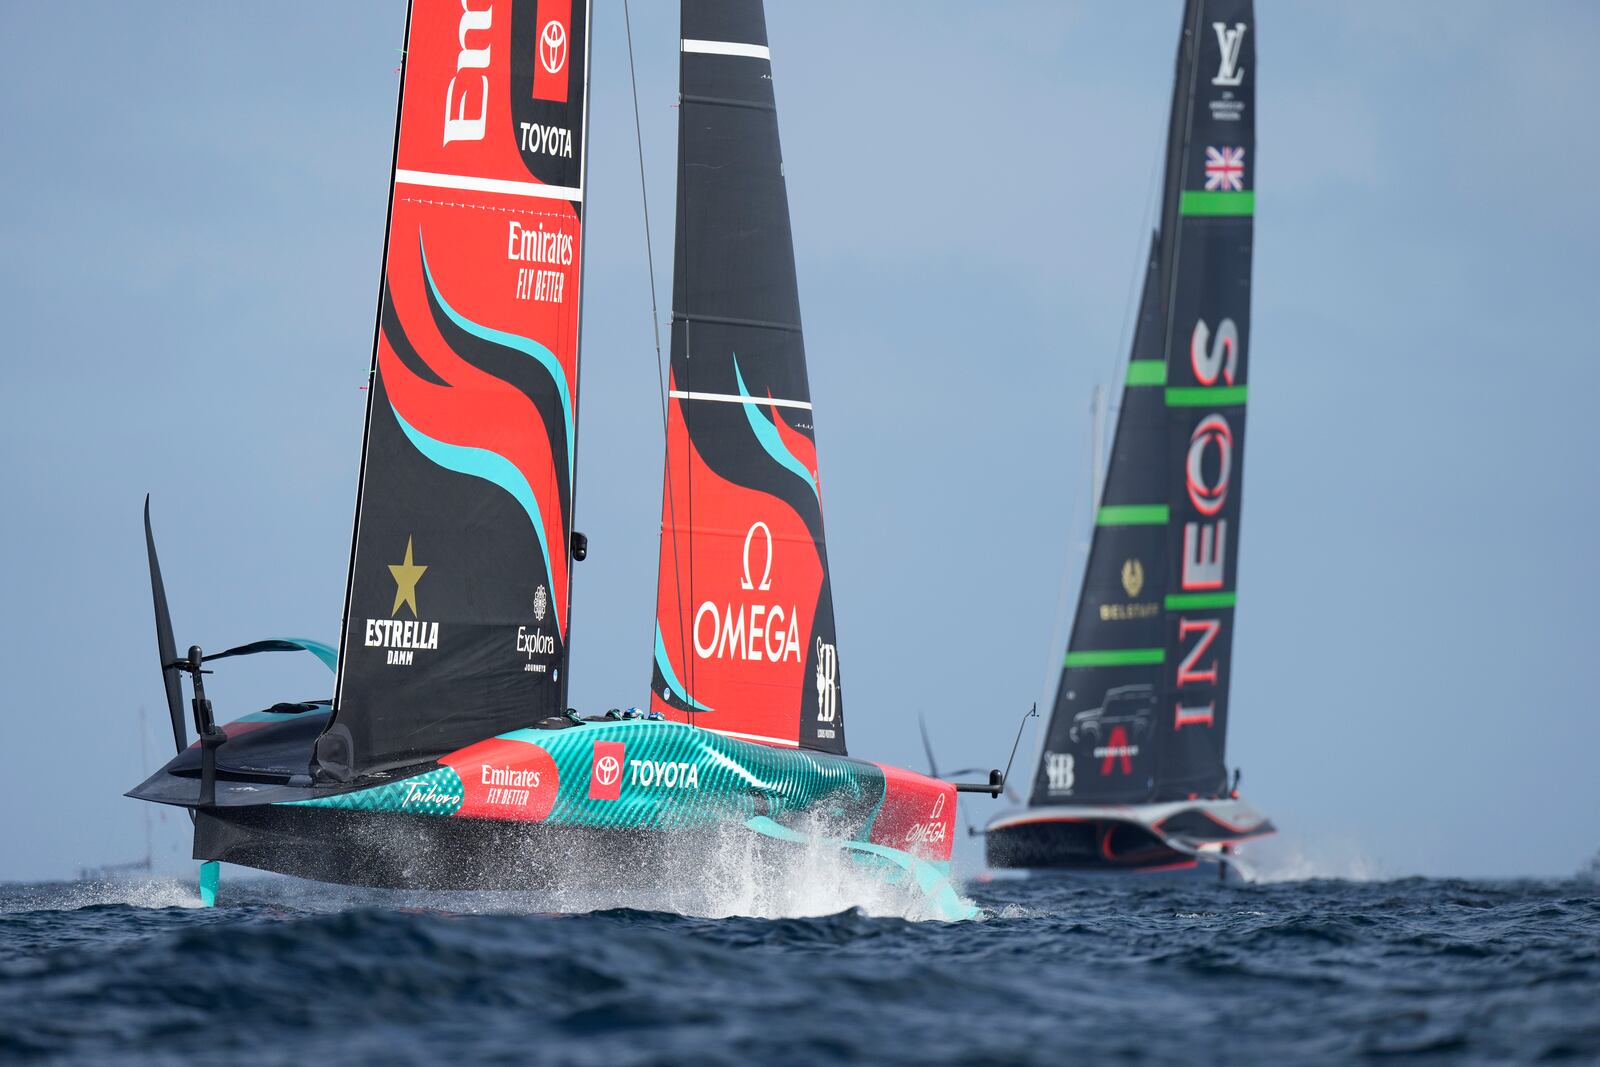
210	875
933	882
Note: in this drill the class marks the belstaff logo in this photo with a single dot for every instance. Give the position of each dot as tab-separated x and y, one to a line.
1132	575
1132	578
605	776
1231	42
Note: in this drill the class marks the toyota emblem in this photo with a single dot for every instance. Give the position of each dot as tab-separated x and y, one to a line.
553	47
607	769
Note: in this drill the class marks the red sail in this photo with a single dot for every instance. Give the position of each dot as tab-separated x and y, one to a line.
745	639
456	612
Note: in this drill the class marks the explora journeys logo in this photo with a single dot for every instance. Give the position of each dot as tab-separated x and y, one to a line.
746	631
534	641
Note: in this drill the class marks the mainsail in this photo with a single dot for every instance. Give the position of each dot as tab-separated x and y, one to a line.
457	607
1141	712
744	639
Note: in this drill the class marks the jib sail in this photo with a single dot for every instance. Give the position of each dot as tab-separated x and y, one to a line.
456	611
745	639
1142	709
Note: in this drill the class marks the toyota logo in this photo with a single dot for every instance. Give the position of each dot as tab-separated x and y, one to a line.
607	769
553	47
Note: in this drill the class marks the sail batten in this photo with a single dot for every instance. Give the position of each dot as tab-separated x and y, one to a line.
1141	710
458	602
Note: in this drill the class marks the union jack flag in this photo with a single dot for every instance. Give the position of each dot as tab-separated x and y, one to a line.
1225	169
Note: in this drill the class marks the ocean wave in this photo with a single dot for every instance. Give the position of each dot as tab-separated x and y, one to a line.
1100	971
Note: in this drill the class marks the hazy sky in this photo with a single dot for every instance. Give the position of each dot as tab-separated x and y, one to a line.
194	205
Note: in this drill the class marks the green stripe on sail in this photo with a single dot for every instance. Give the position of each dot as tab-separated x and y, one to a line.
1132	515
1202	202
1147	372
1202	396
1200	601
1117	657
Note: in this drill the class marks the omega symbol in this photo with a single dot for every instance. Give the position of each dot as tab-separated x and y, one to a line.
766	571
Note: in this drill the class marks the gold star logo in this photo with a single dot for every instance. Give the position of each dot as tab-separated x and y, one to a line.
406	576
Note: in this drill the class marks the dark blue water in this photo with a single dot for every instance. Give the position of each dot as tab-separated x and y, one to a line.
1058	973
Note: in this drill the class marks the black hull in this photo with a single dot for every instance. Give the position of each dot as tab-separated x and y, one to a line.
1139	839
1090	846
398	851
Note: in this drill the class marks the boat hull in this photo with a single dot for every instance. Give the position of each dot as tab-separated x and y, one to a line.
599	803
395	850
1184	836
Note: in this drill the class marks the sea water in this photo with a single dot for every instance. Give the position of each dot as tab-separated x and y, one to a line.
1057	971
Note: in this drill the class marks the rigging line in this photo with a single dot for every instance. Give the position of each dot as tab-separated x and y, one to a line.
655	327
1111	412
685	234
1132	305
1141	269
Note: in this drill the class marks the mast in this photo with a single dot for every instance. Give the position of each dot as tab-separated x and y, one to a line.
458	598
1141	709
745	640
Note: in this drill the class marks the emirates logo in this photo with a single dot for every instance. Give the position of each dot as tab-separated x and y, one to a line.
553	47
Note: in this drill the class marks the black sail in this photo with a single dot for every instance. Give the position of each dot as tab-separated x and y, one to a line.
745	639
458	603
1142	708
